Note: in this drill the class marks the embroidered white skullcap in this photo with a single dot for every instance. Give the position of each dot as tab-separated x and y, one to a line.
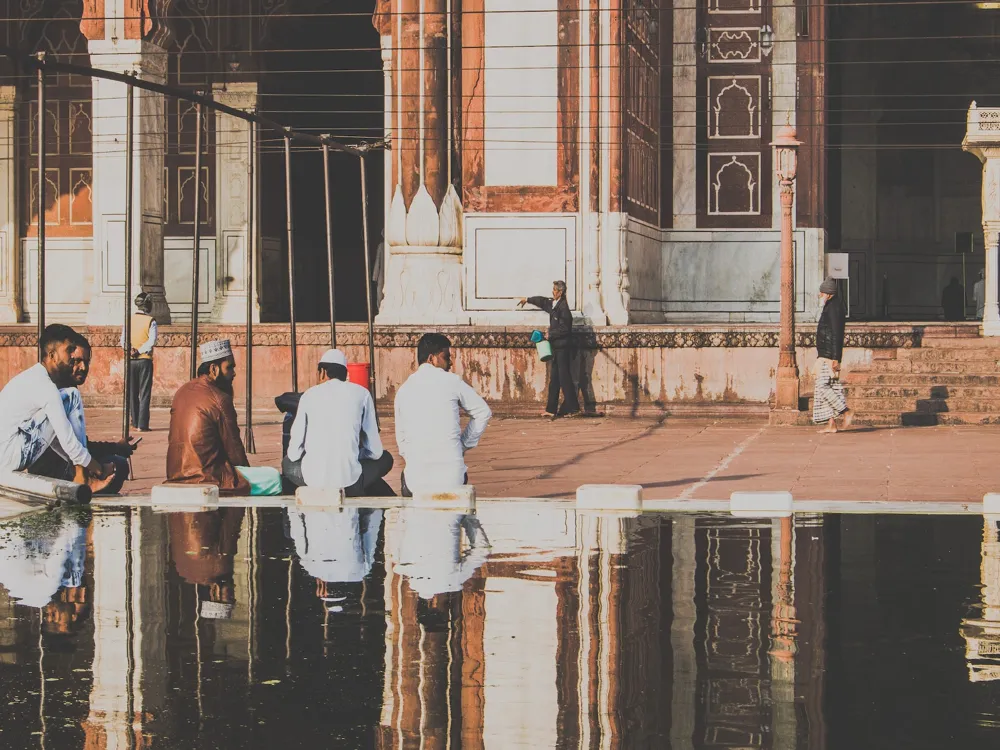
333	357
217	610
213	351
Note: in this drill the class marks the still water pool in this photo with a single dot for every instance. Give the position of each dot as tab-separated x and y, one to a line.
522	626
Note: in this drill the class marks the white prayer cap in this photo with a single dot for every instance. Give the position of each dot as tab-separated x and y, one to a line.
213	351
334	357
217	610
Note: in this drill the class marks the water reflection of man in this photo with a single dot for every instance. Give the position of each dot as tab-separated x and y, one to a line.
41	554
202	547
426	547
337	548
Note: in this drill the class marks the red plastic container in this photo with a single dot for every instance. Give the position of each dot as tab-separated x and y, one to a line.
357	372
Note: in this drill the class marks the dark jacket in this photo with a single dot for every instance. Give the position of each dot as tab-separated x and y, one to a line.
204	445
830	330
560	318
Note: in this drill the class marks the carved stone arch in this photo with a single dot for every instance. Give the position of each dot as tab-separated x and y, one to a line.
160	13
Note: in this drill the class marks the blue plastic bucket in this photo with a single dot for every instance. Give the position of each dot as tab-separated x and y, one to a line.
544	350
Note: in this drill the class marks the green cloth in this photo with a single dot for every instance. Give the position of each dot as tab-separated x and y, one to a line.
264	481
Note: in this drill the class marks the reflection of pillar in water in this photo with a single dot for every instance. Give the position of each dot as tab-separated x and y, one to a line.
619	620
129	669
810	593
682	708
434	662
982	635
783	635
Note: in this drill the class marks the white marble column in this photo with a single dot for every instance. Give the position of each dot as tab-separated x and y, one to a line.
10	297
110	127
991	311
232	179
982	138
424	234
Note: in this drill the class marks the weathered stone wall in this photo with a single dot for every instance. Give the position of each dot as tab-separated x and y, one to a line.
640	369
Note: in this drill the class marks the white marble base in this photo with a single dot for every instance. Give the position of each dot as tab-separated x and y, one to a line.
991	327
423	288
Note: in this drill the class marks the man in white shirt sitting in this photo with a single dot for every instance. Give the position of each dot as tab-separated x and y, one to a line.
428	428
334	440
42	425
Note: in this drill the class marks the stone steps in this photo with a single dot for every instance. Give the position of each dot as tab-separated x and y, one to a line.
952	378
924	419
926	405
944	355
920	380
933	367
910	391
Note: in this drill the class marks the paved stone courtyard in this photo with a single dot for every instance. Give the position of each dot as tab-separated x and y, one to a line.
678	458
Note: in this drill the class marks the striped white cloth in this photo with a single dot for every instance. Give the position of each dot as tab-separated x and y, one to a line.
828	394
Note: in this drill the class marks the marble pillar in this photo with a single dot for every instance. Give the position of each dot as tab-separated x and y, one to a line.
982	138
615	284
424	236
110	126
10	297
232	179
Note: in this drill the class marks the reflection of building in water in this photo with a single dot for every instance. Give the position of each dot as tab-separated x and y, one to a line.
982	634
552	643
130	667
561	638
735	639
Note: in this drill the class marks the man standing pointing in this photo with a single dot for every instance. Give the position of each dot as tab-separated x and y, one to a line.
428	428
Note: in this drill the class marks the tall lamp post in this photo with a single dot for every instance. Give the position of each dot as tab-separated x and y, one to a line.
787	387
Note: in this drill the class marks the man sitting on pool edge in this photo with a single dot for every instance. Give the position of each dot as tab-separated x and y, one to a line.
204	445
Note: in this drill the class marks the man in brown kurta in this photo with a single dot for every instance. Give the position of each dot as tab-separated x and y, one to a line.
204	445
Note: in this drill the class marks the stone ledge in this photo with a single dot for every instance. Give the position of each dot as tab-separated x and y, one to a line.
735	336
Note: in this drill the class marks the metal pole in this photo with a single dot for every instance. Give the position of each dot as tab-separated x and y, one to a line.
41	196
248	441
329	245
291	260
195	257
127	338
368	276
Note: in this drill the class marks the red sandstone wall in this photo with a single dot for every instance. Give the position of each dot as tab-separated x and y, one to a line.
639	370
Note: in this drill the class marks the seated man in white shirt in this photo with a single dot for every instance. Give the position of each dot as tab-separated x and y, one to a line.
334	440
42	425
428	428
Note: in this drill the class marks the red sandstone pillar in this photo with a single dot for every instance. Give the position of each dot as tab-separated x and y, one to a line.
787	386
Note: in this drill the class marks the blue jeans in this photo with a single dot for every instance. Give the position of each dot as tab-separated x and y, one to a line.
37	435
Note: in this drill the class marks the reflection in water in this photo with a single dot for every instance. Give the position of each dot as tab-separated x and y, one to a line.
982	633
518	626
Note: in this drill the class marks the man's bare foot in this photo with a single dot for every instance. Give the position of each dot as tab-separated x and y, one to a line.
848	418
830	427
547	415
